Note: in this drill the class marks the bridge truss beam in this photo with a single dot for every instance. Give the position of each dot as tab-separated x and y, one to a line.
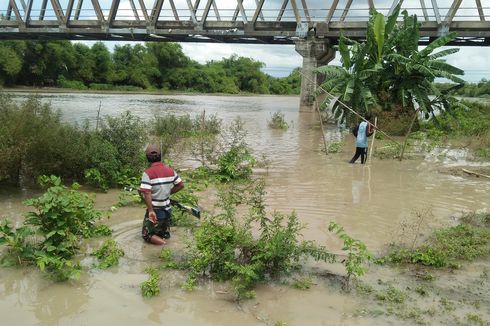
239	21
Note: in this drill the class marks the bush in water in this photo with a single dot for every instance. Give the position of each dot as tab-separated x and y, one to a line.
62	217
225	248
34	142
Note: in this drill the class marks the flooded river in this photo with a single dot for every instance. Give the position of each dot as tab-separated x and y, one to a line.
370	201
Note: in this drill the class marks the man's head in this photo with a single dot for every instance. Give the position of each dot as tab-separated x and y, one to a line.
368	116
153	153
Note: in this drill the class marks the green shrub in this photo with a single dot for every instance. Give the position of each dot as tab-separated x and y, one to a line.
62	217
34	141
151	287
357	253
108	254
470	120
335	147
225	248
73	84
277	121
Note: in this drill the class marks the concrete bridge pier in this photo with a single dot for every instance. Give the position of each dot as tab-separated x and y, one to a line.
315	52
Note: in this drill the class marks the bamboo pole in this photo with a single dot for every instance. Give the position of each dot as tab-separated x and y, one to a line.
98	115
408	134
372	141
476	173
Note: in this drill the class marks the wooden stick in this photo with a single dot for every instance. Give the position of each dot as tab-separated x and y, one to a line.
98	114
476	173
321	125
408	134
372	141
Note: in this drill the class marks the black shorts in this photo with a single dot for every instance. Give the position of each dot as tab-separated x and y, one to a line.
160	228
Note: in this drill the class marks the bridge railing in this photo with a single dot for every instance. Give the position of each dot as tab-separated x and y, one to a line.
227	20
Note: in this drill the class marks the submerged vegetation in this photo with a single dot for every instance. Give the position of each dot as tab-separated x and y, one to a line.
108	254
51	234
277	121
448	247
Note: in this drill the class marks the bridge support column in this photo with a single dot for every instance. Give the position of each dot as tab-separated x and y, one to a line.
315	52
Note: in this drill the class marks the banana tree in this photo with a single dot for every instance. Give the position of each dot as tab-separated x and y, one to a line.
388	72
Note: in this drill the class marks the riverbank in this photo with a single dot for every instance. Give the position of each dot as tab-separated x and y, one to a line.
57	90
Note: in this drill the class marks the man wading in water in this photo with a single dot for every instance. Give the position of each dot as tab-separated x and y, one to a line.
157	184
362	132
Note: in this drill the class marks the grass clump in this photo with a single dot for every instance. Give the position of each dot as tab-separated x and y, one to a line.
335	147
277	121
391	295
448	246
303	283
151	287
108	254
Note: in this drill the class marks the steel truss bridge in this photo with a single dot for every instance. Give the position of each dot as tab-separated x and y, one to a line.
232	21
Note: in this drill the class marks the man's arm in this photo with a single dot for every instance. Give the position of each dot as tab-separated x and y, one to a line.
151	213
178	187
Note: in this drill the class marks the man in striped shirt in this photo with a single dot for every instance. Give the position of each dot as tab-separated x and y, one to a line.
157	184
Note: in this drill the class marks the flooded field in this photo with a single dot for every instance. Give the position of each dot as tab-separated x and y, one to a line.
370	201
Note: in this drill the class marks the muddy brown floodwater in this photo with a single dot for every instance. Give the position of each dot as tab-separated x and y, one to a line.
370	201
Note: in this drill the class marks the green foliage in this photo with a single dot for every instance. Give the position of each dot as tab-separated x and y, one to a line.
236	161
171	129
108	254
469	121
303	283
73	84
33	141
154	65
277	121
448	246
388	72
57	268
20	249
388	151
225	248
168	260
151	287
62	217
335	147
392	295
480	89
357	253
107	157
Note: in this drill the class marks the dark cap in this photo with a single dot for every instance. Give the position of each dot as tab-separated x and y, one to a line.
152	150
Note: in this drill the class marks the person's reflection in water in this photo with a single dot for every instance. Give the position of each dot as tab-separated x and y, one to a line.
357	184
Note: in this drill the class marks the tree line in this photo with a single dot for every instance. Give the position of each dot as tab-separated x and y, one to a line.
480	89
149	66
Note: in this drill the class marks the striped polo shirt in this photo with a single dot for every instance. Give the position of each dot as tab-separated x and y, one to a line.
159	179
